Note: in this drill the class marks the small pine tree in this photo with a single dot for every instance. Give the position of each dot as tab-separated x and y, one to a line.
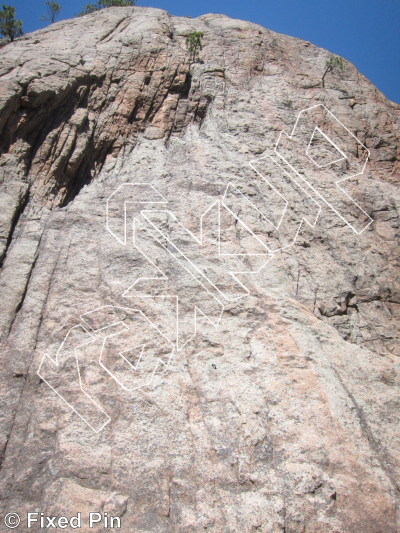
9	27
53	9
101	4
330	65
194	44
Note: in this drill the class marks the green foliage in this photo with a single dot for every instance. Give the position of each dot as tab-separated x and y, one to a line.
53	9
194	44
331	64
101	4
9	27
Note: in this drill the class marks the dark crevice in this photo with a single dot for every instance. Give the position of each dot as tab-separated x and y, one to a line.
4	450
188	84
21	302
201	109
83	175
106	150
53	118
90	167
154	107
132	116
43	121
11	109
183	90
341	310
113	30
374	444
17	215
348	298
151	109
50	116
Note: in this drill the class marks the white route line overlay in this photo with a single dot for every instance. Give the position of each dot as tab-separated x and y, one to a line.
86	328
129	184
162	200
176	297
286	206
200	242
345	157
222	203
56	363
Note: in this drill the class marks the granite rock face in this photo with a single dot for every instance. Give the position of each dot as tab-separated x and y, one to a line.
283	418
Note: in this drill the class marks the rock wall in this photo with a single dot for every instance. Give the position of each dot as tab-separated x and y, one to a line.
284	417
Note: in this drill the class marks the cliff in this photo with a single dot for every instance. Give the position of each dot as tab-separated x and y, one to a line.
258	386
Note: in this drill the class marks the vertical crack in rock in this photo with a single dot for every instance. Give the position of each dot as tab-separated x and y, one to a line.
31	339
22	203
14	299
373	443
22	299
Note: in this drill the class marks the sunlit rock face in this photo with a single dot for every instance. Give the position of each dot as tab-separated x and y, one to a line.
191	342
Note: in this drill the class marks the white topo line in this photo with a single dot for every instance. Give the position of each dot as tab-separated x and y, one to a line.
146	195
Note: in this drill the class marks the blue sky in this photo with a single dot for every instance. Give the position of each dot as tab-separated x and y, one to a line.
367	33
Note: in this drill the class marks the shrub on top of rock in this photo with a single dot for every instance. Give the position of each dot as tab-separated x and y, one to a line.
194	44
331	64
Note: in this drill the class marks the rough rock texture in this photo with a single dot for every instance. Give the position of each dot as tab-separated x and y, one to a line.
283	419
